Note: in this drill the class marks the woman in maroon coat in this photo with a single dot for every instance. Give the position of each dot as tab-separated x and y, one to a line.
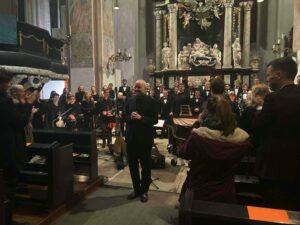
215	149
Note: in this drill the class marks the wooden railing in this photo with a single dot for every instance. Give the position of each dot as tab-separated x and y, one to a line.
208	213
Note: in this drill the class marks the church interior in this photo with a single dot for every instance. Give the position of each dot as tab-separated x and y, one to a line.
80	67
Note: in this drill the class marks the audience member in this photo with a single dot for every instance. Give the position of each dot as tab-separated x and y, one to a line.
215	149
278	160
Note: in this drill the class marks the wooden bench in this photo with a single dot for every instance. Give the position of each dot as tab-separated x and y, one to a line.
246	166
85	156
211	213
48	177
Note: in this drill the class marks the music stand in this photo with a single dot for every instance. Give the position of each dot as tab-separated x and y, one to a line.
152	182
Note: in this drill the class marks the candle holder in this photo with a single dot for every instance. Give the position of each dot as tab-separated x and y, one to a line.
117	57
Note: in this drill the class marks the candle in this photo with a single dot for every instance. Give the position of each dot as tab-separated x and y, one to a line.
119	50
278	41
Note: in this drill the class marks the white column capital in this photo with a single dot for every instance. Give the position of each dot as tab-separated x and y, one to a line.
228	3
158	14
247	5
173	8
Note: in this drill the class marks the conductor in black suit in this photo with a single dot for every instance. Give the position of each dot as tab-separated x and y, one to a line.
278	124
140	116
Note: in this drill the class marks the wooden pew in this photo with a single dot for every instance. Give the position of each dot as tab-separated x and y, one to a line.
85	156
48	176
246	183
211	213
246	166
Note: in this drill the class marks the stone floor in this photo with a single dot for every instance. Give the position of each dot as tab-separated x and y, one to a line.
169	179
109	206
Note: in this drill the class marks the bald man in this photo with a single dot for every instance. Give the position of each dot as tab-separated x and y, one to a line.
140	115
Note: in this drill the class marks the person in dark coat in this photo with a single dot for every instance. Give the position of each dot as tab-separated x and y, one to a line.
125	89
196	103
278	160
71	112
107	106
88	109
13	119
79	94
179	99
53	111
218	88
165	106
63	97
140	117
238	90
206	92
215	149
95	96
251	111
39	118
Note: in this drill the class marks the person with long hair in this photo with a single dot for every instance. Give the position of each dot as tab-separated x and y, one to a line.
215	149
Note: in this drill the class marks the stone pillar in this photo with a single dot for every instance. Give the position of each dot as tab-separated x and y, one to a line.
165	27
34	11
173	8
227	52
246	35
158	38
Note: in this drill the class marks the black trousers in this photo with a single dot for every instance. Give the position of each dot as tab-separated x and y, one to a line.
138	153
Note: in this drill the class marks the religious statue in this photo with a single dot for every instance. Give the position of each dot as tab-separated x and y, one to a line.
237	53
189	47
254	62
201	12
199	49
216	53
186	19
165	53
200	54
183	58
150	67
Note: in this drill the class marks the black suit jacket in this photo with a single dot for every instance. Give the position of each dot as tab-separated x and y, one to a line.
127	91
13	119
196	103
278	125
165	106
140	131
239	92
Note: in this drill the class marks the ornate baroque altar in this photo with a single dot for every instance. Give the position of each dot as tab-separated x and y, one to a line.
202	38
